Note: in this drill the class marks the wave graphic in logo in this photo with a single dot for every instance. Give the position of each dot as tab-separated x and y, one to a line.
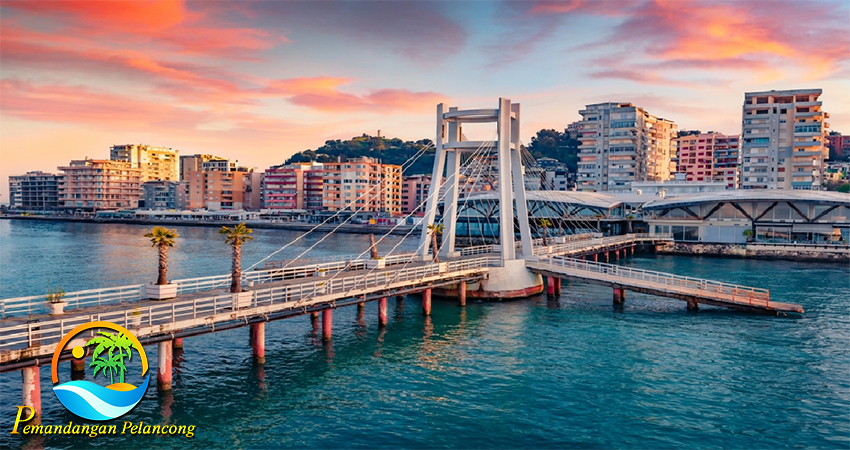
95	402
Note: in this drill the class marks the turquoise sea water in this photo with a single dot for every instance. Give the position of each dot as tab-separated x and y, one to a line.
571	373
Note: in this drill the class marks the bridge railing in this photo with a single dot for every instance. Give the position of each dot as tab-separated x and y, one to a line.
586	244
477	250
292	296
696	286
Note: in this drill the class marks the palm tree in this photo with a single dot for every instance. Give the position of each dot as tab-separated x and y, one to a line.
236	236
435	230
373	247
545	223
163	238
115	362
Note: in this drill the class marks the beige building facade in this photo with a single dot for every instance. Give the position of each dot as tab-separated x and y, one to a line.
362	185
156	163
90	185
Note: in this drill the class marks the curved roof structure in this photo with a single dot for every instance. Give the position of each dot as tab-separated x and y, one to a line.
766	195
599	200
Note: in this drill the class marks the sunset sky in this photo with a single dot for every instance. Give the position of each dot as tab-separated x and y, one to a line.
259	81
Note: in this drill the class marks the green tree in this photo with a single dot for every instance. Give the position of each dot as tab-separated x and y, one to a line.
434	230
116	347
551	143
162	238
845	188
236	236
545	223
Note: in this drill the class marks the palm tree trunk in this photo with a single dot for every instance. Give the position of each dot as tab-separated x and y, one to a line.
545	242
163	265
373	247
236	280
434	246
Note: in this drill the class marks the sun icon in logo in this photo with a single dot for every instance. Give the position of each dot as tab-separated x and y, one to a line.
93	401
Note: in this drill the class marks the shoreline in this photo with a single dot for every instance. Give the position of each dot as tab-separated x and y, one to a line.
260	224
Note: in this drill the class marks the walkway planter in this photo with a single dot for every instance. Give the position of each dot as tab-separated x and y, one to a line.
56	308
376	263
161	291
241	299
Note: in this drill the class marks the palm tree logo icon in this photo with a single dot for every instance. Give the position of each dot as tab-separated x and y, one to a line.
112	352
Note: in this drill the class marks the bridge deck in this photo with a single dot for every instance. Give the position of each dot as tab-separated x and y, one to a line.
663	284
152	321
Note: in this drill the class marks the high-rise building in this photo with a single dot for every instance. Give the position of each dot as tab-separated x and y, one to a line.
194	163
215	190
622	143
92	184
362	185
156	163
783	145
35	191
709	157
293	186
165	194
414	193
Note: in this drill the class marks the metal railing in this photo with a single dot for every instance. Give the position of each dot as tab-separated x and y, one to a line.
710	289
587	244
202	311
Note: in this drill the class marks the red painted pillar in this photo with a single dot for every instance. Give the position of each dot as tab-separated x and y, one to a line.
258	342
327	324
595	257
619	296
163	373
426	302
461	293
178	344
607	256
31	392
314	320
557	287
617	255
360	306
382	312
633	250
78	365
550	286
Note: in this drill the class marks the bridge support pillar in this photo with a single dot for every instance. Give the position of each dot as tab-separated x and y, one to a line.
617	255
607	256
78	365
550	286
31	392
426	302
619	296
557	287
595	257
178	344
327	324
692	305
633	250
360	306
258	342
382	312
314	320
399	299
163	372
461	293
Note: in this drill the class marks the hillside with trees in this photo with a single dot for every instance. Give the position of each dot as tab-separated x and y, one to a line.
548	143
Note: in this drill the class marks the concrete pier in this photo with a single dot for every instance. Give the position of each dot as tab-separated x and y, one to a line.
461	293
327	324
31	389
619	296
258	342
163	371
426	302
382	312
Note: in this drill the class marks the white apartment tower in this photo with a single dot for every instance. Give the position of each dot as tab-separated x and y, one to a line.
621	143
783	144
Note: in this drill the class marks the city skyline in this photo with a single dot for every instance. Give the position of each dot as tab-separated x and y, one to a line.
258	82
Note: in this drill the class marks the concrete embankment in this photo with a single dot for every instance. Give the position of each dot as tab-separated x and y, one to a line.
347	228
799	252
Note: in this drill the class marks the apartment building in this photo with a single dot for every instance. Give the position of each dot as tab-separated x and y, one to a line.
194	163
622	143
838	144
156	163
215	190
362	185
165	195
293	186
709	157
414	193
92	184
35	191
783	140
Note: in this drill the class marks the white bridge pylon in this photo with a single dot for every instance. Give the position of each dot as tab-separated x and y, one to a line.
449	150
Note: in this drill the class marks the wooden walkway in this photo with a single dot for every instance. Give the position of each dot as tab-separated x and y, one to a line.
692	290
